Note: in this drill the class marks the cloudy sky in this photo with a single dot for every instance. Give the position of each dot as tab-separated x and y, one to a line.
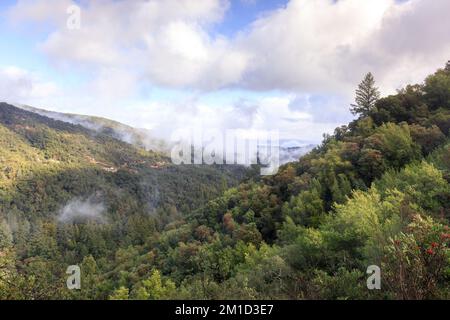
263	64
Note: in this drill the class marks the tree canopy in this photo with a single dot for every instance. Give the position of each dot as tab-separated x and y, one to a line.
376	192
366	96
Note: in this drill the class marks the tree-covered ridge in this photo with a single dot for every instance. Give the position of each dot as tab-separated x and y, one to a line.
51	171
376	192
138	137
43	157
382	178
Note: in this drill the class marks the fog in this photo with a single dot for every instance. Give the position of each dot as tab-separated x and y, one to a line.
79	210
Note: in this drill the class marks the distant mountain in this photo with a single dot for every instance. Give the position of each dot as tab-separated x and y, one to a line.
136	136
289	150
46	163
292	150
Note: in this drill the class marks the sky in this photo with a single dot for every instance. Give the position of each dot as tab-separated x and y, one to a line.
286	65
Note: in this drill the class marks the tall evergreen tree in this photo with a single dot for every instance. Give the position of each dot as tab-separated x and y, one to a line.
447	67
366	96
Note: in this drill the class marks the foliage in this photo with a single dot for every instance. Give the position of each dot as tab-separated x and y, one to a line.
366	96
374	193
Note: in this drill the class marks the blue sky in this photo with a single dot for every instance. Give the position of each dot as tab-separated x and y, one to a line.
243	13
272	64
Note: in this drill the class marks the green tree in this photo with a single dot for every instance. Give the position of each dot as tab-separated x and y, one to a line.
366	96
447	67
89	277
5	235
395	143
155	288
120	294
437	89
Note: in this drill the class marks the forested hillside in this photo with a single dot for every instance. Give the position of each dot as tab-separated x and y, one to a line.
67	191
139	137
376	192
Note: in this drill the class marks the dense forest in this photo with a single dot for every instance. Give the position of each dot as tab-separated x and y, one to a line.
376	192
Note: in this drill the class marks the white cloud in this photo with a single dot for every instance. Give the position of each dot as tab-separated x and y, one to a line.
166	42
39	11
301	47
306	49
19	85
184	55
321	46
307	46
267	113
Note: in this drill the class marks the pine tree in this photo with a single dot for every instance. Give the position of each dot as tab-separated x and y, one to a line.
366	96
447	67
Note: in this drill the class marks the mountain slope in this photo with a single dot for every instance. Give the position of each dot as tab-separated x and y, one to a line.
374	194
138	137
49	161
289	150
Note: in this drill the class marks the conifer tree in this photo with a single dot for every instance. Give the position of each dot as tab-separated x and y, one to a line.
366	96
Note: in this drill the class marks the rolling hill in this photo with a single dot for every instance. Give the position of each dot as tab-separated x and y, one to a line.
139	137
46	162
375	194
